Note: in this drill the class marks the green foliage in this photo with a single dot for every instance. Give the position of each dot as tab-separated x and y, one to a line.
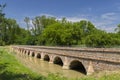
43	30
118	29
51	35
51	32
1	10
11	33
27	20
11	69
55	77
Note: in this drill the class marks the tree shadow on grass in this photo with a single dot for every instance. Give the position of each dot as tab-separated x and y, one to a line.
3	66
7	75
11	76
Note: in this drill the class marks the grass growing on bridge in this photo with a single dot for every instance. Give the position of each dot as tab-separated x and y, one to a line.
11	69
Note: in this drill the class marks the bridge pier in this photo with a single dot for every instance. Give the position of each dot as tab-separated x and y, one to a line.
36	54
90	69
30	53
65	67
51	59
66	64
51	62
86	59
42	56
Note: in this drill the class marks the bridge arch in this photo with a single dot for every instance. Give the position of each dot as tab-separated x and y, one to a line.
33	54
28	53
47	57
38	55
77	66
58	60
20	50
25	52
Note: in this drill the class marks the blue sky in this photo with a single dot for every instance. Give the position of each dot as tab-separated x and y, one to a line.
104	14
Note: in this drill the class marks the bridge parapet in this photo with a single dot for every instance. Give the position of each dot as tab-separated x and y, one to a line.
108	54
99	58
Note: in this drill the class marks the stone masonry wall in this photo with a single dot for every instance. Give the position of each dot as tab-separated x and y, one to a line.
101	58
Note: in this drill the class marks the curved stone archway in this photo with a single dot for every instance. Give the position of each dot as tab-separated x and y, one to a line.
46	58
77	66
38	55
25	52
58	60
32	54
28	53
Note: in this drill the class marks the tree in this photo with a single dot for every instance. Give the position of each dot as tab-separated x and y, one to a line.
27	20
118	29
1	10
40	23
2	19
51	35
46	30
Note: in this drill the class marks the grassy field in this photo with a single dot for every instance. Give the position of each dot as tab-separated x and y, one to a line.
11	69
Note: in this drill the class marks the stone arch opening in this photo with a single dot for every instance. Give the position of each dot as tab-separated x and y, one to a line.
38	55
33	54
25	51
77	66
46	58
28	52
58	61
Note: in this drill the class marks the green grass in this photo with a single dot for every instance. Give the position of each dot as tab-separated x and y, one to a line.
12	69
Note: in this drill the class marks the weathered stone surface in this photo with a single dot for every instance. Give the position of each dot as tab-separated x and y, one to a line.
93	59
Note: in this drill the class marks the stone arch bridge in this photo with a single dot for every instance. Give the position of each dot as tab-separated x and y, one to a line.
85	60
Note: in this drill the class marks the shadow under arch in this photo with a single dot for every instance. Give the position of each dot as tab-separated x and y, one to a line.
77	66
33	54
25	52
28	53
38	55
58	61
46	58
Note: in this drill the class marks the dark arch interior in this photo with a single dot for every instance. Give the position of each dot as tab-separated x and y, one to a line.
78	66
33	54
38	55
28	52
58	61
46	58
25	52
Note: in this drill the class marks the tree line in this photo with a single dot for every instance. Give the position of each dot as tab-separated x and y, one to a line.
44	30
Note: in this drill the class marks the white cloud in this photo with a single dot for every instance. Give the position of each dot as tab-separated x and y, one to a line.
75	19
105	25
109	16
48	15
106	21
